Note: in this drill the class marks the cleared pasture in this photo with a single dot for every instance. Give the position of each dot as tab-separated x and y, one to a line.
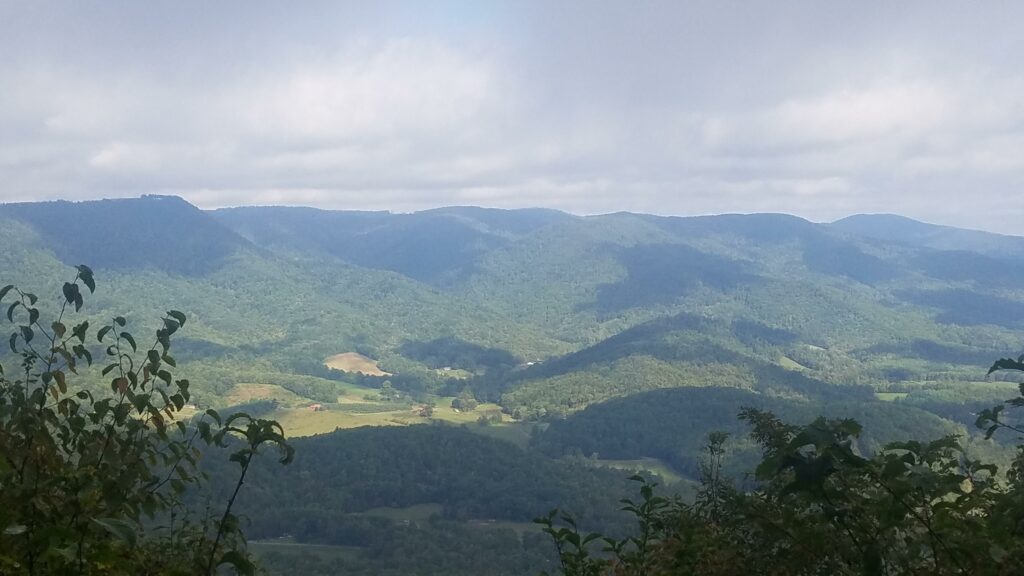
443	411
890	396
245	392
517	433
284	546
355	362
790	364
307	422
651	465
414	513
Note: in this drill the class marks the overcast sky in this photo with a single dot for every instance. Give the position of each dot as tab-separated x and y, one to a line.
820	109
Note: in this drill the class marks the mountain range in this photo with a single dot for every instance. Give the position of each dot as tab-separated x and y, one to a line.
614	338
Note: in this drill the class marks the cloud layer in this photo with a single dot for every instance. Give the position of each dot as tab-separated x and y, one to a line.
811	108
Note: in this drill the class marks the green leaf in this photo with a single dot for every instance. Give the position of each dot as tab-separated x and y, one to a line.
6	289
61	382
170	326
177	316
72	295
215	415
242	457
239	561
15	529
103	332
80	331
130	340
1007	364
85	273
120	529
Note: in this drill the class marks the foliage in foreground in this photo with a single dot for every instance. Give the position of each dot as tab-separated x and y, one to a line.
94	484
823	508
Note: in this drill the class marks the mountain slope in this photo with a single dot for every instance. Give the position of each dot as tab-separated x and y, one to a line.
893	228
254	314
274	291
435	246
674	424
162	233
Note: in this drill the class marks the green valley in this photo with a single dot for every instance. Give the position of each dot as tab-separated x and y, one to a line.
447	376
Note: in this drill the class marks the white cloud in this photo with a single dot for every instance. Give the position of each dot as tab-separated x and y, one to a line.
406	88
676	108
899	111
120	156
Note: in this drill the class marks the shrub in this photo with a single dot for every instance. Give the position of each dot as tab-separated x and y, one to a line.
93	482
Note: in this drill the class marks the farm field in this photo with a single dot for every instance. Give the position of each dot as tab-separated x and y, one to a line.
285	546
517	433
624	337
300	418
890	396
415	513
652	465
422	512
444	411
355	362
790	364
307	422
244	393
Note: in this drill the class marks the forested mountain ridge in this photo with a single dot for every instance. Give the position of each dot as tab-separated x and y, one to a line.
435	246
613	340
128	234
839	306
891	227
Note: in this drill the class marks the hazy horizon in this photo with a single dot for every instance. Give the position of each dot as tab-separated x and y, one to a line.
812	109
476	206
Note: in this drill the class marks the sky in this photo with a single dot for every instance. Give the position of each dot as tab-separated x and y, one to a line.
814	108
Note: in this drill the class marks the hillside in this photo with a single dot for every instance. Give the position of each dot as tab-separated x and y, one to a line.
893	228
672	425
257	316
453	501
564	345
275	291
436	246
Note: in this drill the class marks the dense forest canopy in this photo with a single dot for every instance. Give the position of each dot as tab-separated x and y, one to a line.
447	376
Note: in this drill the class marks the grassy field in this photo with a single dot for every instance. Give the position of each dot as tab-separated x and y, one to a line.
652	465
360	406
355	362
306	422
517	433
422	512
518	527
285	546
890	396
415	513
444	411
790	364
245	392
